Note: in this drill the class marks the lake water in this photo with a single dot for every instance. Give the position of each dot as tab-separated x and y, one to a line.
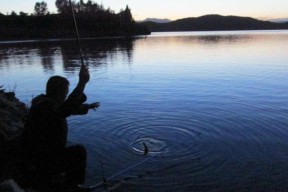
212	107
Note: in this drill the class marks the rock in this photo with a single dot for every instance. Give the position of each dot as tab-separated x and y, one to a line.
12	117
10	186
10	95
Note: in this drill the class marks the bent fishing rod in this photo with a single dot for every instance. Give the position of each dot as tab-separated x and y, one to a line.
77	34
83	65
106	180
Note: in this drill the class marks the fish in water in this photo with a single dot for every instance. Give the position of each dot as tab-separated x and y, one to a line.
146	150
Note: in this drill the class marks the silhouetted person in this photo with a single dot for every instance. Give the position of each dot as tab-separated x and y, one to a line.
45	134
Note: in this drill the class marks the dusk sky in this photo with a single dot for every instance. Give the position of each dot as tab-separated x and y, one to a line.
173	9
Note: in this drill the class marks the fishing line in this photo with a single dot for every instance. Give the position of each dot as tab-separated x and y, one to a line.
104	180
77	34
102	170
123	171
101	184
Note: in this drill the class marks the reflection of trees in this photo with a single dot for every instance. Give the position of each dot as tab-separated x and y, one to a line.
46	54
222	38
25	53
95	51
11	54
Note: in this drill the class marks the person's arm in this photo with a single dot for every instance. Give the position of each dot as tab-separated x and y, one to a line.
84	77
74	104
84	108
77	97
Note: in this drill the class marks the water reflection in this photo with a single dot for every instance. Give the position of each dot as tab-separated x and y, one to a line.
221	38
98	51
52	53
46	54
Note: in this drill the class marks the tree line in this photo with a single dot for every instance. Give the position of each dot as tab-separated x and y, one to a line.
63	7
93	21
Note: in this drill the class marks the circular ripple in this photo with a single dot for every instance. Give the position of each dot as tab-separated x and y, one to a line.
152	145
192	143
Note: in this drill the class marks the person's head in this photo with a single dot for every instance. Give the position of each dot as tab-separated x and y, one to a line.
57	87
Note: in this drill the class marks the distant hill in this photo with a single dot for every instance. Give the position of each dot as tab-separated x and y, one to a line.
214	23
280	20
156	20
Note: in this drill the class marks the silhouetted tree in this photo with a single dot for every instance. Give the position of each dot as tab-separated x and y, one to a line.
63	6
23	14
13	13
90	7
126	15
110	10
41	8
127	23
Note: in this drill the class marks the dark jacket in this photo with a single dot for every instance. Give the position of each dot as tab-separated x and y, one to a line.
45	132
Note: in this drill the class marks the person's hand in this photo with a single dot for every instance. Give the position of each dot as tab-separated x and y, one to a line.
84	75
94	105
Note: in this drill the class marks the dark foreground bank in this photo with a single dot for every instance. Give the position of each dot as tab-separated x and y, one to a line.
12	117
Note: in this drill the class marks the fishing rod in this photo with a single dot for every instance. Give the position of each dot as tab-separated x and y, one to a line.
77	34
83	65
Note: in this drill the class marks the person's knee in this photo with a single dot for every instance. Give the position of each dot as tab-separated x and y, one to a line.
82	150
78	150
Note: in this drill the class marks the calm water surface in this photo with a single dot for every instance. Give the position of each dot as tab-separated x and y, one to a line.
212	107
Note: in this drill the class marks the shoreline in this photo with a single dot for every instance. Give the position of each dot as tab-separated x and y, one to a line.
15	41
